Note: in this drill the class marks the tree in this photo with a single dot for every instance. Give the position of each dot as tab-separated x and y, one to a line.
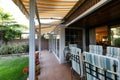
9	29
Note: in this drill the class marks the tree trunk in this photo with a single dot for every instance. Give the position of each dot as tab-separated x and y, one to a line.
2	37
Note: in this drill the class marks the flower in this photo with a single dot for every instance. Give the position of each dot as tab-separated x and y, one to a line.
37	72
25	70
36	55
37	61
37	68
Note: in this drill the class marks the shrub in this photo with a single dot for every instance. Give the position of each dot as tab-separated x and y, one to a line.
4	50
10	49
117	42
14	48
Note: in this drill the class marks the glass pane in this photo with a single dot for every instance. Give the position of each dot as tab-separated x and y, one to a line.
115	36
102	35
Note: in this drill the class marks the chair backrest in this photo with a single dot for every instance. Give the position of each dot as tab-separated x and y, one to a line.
72	45
104	63
66	51
76	60
113	52
97	49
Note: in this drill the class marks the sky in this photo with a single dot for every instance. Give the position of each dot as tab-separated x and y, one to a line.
9	6
13	9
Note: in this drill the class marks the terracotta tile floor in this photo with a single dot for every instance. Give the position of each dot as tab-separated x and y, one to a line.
51	69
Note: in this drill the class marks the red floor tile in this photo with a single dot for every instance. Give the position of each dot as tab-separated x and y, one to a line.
51	69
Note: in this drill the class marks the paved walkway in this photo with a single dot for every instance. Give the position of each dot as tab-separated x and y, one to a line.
51	69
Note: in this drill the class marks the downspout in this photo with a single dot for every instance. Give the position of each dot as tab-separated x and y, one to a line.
90	10
39	39
39	33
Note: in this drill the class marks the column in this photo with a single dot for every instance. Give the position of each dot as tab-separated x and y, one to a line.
32	41
62	43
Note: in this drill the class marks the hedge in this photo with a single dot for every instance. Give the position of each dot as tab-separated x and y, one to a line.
14	48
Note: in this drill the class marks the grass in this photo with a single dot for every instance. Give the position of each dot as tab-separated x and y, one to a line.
11	68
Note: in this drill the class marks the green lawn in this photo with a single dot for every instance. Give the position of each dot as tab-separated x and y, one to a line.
11	68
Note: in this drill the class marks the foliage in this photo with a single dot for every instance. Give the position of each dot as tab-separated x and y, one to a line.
26	72
9	32
4	15
4	50
37	67
14	48
117	42
11	68
9	29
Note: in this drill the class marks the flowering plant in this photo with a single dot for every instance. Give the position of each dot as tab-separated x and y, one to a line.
36	55
37	62
37	67
37	72
26	72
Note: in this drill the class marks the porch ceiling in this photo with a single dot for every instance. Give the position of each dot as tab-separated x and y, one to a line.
48	9
108	14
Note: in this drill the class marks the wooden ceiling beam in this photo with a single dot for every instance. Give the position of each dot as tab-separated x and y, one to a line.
52	2
53	7
44	4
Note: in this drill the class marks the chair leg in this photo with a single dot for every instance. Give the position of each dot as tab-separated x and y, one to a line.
71	73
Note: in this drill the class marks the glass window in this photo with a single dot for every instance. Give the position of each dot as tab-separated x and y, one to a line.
115	35
102	35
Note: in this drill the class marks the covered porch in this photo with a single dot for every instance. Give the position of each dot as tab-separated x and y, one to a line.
74	27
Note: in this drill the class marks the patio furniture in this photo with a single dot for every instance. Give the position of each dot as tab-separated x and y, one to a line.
76	60
67	54
113	52
100	67
97	49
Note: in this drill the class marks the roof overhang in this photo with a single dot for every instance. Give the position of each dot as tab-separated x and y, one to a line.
54	10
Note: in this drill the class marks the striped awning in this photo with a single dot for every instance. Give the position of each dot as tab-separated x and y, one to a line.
54	10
